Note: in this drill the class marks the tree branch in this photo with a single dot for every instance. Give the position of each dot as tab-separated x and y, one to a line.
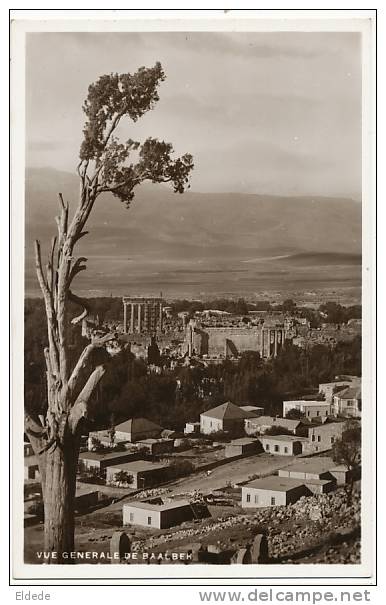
77	268
39	270
81	407
84	359
81	303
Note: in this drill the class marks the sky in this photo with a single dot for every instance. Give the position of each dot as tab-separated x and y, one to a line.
268	113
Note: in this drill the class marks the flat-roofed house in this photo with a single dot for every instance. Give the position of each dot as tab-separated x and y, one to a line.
242	447
308	468
272	491
329	389
224	417
282	445
320	486
141	474
192	428
315	472
157	513
323	468
255	426
348	402
342	474
322	437
310	409
100	461
156	446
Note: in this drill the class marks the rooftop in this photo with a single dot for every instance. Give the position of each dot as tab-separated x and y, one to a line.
275	483
282	438
158	507
308	403
250	408
271	420
150	441
137	425
228	411
311	465
350	393
105	455
318	481
242	441
140	466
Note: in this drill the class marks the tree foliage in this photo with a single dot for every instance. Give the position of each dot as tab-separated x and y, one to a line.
120	167
347	449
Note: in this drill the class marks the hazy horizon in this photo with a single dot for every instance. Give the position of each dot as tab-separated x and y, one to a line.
266	113
273	121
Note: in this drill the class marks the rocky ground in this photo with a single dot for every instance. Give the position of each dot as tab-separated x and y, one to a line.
318	529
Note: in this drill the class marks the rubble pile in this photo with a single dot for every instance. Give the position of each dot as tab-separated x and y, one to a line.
309	523
150	493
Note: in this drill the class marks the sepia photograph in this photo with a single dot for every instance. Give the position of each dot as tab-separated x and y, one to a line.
194	348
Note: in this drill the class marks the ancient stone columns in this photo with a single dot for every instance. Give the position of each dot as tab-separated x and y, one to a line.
144	314
272	340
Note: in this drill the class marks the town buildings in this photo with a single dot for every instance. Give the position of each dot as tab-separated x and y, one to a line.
137	429
348	402
322	471
242	447
282	445
99	461
322	437
310	409
225	417
156	446
255	426
157	513
130	431
141	474
272	491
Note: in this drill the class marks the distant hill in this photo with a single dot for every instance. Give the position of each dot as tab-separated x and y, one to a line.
197	241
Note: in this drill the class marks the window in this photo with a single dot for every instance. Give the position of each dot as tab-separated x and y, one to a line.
248	497
267	446
273	501
308	413
256	499
285	449
319	438
312	437
149	520
332	439
131	517
276	448
318	413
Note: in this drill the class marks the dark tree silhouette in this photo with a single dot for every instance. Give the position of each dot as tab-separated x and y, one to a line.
106	165
347	450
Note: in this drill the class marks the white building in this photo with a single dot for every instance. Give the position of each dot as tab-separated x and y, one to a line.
310	409
272	491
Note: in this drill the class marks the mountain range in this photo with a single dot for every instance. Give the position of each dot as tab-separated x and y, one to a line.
200	243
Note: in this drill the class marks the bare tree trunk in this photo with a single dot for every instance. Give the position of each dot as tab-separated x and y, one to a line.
59	504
